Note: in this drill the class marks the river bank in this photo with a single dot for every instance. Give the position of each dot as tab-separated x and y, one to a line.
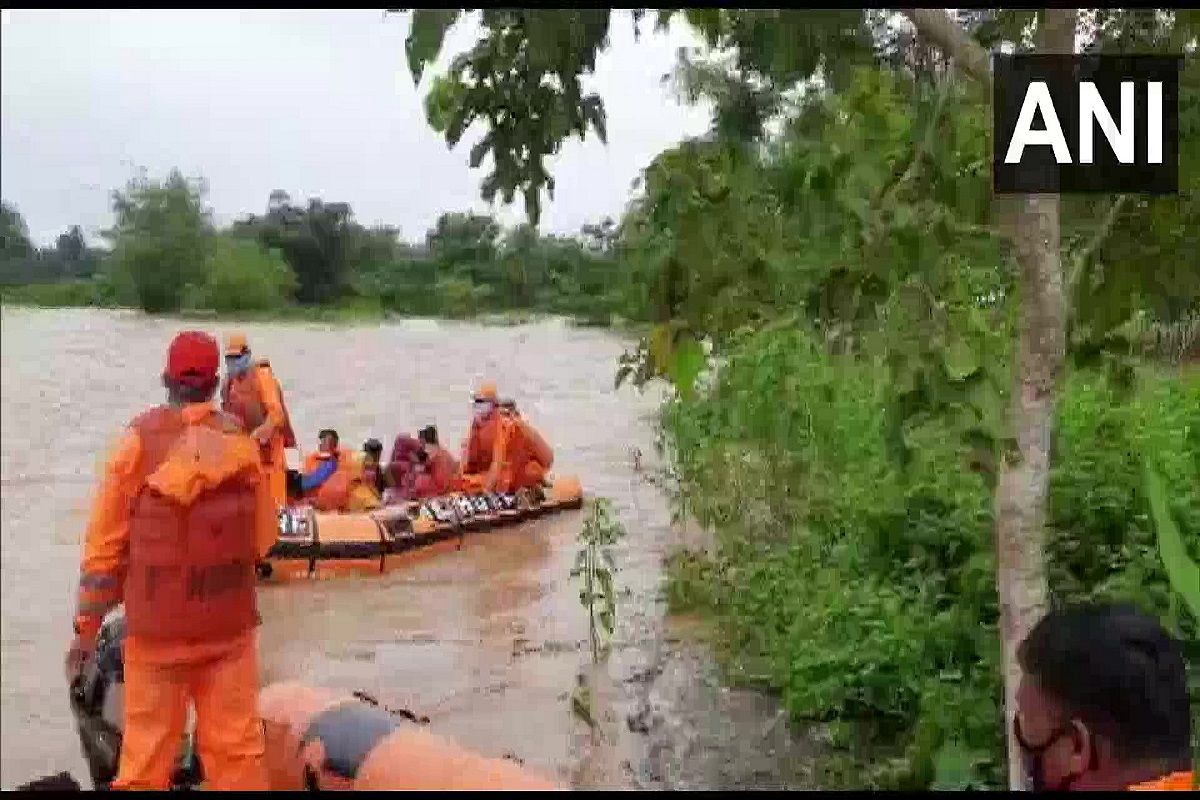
348	313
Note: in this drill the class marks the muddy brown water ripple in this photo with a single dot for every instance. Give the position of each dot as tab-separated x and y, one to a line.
486	642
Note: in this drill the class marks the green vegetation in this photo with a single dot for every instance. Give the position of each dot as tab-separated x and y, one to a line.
864	592
308	262
904	407
594	567
912	413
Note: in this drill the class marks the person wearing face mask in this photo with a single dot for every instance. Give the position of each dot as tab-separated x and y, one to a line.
1103	703
252	394
481	441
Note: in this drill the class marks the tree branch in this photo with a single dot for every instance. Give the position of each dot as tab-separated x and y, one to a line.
936	25
919	152
1080	263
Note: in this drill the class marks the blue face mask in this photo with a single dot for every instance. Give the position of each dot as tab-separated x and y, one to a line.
237	366
482	408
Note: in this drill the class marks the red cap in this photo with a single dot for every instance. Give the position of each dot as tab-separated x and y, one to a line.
193	359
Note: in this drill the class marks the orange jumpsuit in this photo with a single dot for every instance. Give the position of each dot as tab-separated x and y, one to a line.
220	675
1175	782
253	397
520	458
477	454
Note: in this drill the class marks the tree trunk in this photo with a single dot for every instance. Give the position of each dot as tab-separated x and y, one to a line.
1024	482
1023	485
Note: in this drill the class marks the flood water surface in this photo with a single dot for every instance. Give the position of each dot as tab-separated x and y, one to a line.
488	641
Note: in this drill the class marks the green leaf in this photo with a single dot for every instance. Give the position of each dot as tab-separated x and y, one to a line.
953	767
685	365
604	579
1182	572
424	40
959	359
985	398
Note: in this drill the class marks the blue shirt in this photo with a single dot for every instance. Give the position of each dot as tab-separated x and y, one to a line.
318	476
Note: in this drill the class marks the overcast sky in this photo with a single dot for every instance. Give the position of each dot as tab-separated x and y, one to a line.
318	103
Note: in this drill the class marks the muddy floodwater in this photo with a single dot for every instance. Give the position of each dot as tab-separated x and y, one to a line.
488	642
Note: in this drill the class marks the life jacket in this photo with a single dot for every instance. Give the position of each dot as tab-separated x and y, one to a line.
241	397
523	443
539	449
437	478
477	455
441	470
192	548
400	466
334	493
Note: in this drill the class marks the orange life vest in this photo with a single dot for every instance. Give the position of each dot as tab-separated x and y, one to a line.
240	396
480	441
1175	782
334	493
191	564
536	447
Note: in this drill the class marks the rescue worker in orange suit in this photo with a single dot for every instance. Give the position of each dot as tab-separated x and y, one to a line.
521	458
251	394
480	444
503	452
181	516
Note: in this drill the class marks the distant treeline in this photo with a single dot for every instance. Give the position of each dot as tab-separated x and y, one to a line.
165	255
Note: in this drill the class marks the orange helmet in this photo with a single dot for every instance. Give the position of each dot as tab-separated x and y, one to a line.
236	344
486	391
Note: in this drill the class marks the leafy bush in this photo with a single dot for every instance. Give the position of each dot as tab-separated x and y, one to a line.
243	276
865	593
98	292
460	297
162	239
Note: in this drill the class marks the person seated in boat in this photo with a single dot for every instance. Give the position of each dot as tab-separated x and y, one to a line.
522	452
371	480
480	444
401	467
520	457
329	474
435	469
371	464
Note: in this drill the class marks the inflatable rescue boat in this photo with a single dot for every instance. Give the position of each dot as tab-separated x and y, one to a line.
315	739
313	544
